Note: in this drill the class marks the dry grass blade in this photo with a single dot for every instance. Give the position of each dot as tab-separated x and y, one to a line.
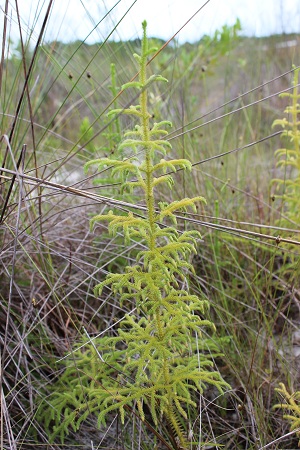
125	206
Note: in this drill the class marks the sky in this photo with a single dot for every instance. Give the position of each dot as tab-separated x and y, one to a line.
75	19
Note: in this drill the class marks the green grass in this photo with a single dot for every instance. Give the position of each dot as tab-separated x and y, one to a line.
222	102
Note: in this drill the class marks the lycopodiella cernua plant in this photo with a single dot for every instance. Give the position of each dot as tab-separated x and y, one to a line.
160	356
289	184
289	157
292	405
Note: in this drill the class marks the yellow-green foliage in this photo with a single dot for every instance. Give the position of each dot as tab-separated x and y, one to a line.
112	135
293	405
86	133
159	356
289	157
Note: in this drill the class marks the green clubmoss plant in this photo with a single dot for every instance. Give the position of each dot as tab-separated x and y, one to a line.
292	405
289	184
289	157
113	134
160	358
86	132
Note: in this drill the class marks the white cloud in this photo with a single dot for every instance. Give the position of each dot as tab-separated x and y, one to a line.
74	19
